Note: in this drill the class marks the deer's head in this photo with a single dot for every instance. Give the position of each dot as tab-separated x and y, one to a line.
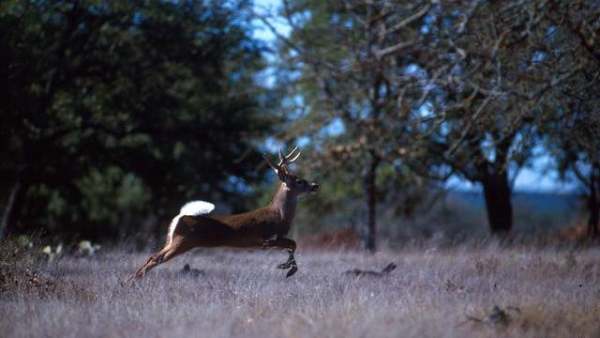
296	184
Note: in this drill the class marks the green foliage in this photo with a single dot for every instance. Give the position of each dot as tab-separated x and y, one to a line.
110	197
340	61
115	111
440	89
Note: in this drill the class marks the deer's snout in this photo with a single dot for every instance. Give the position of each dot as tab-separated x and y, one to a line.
314	187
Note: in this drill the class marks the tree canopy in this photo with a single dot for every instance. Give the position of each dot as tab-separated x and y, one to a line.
440	89
115	111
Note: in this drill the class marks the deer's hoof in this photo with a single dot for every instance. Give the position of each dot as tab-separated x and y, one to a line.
291	272
284	266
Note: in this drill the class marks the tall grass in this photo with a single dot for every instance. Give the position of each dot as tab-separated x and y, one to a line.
432	293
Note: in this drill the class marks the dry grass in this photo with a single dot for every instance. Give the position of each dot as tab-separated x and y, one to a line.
432	293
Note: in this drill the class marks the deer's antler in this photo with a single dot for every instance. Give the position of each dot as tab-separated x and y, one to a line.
284	160
289	158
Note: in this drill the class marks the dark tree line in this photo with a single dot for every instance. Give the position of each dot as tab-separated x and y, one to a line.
115	111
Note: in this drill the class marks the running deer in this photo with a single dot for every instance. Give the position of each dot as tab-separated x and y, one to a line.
265	227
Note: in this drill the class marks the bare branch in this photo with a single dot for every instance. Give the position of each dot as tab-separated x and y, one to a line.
381	53
469	125
419	14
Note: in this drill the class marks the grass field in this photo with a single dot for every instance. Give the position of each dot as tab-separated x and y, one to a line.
432	293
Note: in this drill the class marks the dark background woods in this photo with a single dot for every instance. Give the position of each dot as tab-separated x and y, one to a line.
113	115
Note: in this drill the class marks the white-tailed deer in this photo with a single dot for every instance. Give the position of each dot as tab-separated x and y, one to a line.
265	227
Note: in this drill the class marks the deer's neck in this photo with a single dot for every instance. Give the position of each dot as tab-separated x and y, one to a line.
284	202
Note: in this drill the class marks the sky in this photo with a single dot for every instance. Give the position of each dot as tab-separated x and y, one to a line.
533	178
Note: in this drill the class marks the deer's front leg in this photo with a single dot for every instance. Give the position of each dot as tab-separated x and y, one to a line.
290	246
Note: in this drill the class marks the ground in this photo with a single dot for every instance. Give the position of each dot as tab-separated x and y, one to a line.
458	292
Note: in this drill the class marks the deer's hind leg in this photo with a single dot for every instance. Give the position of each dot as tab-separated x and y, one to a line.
290	246
176	247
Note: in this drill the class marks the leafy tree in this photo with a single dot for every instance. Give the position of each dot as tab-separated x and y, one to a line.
116	106
572	131
440	88
505	62
573	140
346	60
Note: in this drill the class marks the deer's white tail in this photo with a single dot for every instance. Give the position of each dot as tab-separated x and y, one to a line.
194	208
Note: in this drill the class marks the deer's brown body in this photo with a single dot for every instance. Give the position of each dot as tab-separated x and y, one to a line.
263	227
248	229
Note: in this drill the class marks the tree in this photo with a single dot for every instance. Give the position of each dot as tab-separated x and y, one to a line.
572	131
347	62
160	96
500	71
442	88
574	143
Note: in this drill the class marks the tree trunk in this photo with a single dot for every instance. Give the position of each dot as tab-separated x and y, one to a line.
594	203
496	190
594	216
371	191
12	209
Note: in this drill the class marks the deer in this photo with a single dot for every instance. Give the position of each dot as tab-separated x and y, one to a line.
266	227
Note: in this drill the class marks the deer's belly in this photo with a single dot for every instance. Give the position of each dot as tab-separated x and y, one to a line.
210	233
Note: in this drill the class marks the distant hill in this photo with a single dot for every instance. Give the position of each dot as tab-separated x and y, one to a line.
539	202
456	216
533	211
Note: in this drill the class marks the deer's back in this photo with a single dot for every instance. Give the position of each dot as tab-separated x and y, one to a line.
245	229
